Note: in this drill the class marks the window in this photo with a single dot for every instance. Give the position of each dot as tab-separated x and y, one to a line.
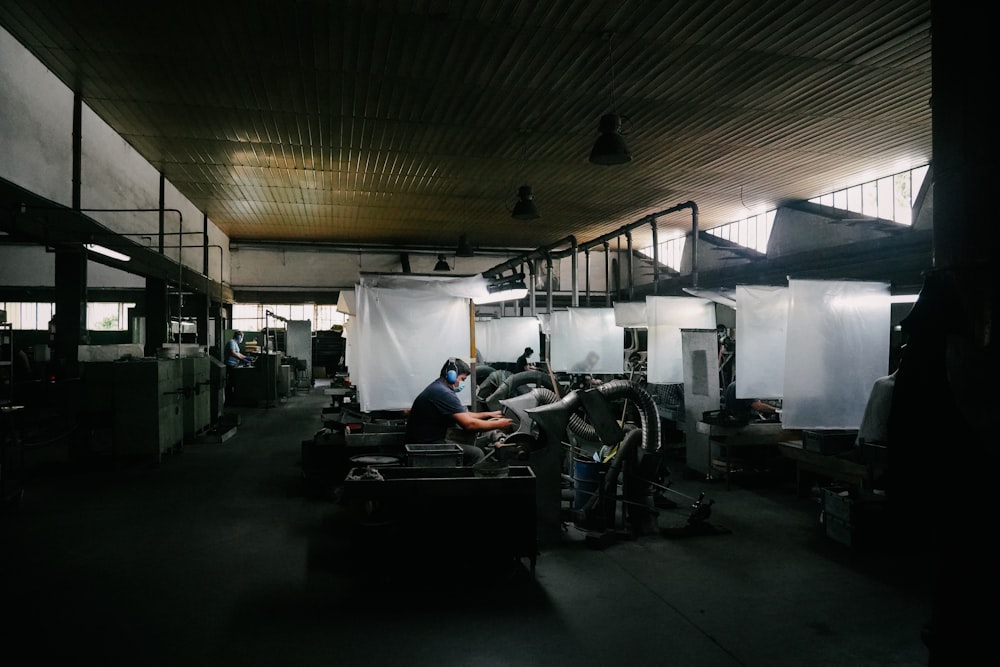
253	316
28	316
889	198
108	316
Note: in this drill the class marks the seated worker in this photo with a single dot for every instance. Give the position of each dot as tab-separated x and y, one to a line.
522	364
582	371
234	357
743	409
438	407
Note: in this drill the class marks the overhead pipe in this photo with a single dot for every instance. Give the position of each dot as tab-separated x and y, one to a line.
575	280
538	253
531	286
607	274
548	282
548	252
694	247
631	267
656	258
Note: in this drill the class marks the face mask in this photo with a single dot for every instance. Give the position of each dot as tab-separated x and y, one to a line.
459	388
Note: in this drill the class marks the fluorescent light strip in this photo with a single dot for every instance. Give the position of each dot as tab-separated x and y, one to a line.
107	252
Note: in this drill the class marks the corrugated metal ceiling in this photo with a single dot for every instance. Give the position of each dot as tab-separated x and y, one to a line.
410	123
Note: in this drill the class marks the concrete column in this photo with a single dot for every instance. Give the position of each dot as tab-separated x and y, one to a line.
71	311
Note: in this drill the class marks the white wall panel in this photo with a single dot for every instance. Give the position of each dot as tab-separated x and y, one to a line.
36	125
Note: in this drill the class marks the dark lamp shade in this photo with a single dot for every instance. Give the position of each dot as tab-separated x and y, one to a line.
442	264
610	147
525	208
464	248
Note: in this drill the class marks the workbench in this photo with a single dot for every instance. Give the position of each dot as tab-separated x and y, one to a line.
442	519
725	438
826	465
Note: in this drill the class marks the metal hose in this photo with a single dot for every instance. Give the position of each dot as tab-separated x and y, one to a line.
514	381
489	385
648	415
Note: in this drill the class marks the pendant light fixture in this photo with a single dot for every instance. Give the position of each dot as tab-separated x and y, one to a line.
524	208
442	264
464	247
610	146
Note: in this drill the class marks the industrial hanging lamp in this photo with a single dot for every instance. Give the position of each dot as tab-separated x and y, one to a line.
610	146
464	247
524	208
442	264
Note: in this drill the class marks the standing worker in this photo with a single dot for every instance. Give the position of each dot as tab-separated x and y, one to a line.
438	407
234	359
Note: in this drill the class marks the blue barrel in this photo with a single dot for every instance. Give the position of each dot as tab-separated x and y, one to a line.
586	481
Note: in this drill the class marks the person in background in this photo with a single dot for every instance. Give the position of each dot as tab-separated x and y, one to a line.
743	409
233	355
582	371
438	407
522	364
22	369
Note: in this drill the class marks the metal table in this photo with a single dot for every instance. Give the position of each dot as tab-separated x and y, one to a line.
446	515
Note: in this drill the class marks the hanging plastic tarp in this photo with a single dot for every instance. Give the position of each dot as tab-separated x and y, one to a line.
347	302
665	317
402	338
761	330
587	340
503	340
837	346
465	287
631	314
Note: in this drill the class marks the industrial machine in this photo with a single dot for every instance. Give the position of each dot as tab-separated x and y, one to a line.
544	422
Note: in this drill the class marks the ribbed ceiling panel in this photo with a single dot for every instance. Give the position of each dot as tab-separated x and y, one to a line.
414	122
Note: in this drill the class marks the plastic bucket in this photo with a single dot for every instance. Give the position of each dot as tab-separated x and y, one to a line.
586	481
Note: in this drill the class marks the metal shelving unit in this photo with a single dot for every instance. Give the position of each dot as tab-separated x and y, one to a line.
7	362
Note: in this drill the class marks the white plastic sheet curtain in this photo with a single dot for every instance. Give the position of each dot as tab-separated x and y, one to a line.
401	339
631	314
503	340
761	332
348	334
347	302
576	332
665	317
837	346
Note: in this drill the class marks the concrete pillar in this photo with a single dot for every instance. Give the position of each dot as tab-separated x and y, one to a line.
71	311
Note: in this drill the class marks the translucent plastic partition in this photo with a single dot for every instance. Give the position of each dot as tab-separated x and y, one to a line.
348	335
347	302
665	317
579	333
545	322
504	339
630	314
401	339
761	329
837	346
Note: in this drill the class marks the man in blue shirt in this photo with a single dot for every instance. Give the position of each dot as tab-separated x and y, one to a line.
438	407
233	355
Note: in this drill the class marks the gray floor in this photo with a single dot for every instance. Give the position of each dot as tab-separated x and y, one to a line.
217	556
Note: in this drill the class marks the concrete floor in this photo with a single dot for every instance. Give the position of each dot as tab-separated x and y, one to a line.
217	556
